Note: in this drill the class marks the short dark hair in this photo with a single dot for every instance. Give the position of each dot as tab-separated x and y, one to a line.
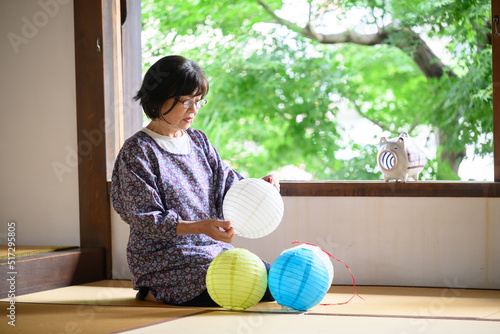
170	77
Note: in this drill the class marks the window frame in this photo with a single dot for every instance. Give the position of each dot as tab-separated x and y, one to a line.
420	188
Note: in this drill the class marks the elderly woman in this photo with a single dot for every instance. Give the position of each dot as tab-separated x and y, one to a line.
168	184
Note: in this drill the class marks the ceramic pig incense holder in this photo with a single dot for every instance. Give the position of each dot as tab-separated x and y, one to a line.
400	158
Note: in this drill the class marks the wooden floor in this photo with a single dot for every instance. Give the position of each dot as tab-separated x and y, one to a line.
110	307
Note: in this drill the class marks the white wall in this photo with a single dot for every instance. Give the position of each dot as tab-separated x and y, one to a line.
440	242
38	169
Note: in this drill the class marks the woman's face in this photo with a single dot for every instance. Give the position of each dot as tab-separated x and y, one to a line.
180	118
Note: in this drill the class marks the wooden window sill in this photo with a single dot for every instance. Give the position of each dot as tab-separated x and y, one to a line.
388	189
391	189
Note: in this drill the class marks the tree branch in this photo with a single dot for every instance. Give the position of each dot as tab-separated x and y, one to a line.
412	44
344	37
308	31
278	19
357	108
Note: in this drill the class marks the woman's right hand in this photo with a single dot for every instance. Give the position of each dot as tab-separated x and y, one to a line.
216	229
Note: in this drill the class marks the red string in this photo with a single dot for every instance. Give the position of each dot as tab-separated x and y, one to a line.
333	257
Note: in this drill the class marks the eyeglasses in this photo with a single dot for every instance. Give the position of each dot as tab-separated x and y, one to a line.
189	103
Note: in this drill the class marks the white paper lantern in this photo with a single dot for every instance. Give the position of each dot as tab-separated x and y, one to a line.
322	255
254	207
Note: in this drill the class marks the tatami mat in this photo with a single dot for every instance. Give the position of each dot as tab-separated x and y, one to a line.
394	301
87	295
85	319
225	322
110	306
405	301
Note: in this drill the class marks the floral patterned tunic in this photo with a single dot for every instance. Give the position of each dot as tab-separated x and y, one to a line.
152	189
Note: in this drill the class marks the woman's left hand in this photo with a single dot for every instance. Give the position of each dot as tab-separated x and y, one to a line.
273	181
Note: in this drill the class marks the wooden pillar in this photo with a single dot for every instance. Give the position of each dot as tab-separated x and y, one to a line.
495	41
99	115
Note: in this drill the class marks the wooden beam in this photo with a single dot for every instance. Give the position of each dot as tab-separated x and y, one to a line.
495	42
95	215
56	269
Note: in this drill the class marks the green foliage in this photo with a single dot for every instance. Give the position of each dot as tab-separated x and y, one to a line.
275	95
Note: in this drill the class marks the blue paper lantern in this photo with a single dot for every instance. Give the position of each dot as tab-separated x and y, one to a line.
322	255
298	279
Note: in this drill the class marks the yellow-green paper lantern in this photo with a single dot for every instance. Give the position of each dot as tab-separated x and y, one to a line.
236	279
